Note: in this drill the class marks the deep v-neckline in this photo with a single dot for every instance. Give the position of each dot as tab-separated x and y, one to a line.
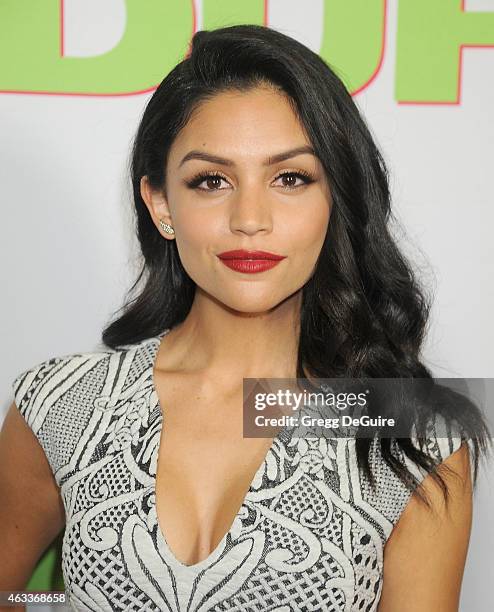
216	552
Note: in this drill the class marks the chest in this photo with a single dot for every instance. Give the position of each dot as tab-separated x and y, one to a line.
205	468
298	539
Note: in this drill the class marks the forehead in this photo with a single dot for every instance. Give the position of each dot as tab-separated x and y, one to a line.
250	122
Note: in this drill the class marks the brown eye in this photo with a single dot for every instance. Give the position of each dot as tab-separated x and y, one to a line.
212	181
289	180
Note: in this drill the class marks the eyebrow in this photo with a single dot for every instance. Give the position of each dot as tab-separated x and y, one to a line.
273	159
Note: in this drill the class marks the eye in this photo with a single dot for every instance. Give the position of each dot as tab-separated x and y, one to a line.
304	176
211	178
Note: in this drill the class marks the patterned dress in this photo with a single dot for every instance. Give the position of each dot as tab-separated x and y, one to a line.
309	535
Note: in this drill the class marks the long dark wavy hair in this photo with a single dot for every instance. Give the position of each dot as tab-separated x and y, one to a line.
363	312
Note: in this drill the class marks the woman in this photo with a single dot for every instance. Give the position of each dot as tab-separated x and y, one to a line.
250	144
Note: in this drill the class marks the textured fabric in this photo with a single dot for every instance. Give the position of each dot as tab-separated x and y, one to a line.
309	535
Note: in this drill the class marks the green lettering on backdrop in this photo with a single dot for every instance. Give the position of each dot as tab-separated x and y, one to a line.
429	36
353	39
157	33
156	37
352	32
220	13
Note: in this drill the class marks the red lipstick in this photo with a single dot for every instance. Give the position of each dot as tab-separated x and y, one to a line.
250	261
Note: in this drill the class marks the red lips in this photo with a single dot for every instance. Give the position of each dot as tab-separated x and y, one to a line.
250	262
242	254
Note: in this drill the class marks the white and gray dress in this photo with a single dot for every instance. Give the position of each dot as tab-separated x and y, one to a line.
309	535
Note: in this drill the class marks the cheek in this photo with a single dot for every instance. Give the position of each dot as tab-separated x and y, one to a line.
195	224
194	239
190	245
307	229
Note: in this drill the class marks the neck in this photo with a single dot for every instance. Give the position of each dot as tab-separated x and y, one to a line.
227	345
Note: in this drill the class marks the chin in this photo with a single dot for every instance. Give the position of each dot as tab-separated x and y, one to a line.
251	304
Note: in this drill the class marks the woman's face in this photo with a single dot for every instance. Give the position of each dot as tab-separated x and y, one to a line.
223	193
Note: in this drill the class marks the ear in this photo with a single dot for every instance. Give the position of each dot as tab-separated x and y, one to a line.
157	205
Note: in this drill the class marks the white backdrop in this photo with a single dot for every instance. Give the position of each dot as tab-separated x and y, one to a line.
69	253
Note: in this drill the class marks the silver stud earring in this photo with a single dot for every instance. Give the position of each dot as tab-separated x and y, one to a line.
167	228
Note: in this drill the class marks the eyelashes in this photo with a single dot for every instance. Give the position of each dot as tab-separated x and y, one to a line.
198	178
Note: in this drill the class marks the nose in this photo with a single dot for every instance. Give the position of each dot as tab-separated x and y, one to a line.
250	211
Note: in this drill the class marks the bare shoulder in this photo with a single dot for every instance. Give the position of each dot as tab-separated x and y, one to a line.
424	557
31	512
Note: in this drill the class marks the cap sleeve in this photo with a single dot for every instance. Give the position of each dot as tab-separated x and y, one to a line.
29	386
443	439
390	495
55	398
